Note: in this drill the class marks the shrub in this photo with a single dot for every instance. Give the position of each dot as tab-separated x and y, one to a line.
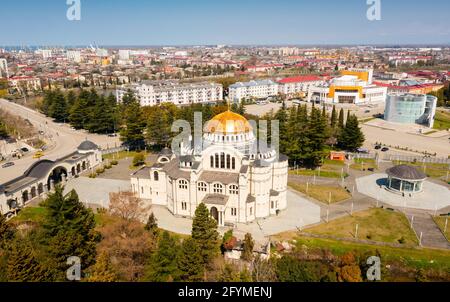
114	162
100	170
139	159
93	175
109	166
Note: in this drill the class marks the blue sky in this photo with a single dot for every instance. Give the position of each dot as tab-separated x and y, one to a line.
194	22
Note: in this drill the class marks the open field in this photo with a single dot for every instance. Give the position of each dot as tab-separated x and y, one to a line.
364	164
442	120
432	170
415	257
374	224
330	169
322	193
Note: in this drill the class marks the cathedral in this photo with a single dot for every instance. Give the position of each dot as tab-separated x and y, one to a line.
236	182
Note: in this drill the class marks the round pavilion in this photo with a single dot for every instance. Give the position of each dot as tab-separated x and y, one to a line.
405	179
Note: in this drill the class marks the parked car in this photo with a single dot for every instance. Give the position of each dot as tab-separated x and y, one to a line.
38	154
24	149
385	149
7	165
377	147
112	135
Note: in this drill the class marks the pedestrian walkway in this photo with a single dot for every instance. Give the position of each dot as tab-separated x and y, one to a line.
431	234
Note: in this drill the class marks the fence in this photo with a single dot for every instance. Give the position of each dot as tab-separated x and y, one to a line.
420	159
113	150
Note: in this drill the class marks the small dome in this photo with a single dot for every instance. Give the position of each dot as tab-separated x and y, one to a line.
406	173
228	123
87	146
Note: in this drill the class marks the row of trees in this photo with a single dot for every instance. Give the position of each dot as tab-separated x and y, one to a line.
85	110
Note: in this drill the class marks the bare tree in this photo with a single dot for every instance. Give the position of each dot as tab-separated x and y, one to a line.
128	206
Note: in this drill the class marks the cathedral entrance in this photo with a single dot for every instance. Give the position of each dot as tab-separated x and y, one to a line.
215	213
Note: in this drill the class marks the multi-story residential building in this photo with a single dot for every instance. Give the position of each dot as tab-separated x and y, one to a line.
155	93
30	83
4	69
354	86
253	89
74	55
298	86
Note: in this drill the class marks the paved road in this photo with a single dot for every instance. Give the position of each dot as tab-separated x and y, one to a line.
431	234
64	140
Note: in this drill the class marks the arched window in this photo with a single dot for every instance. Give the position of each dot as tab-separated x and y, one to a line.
234	190
218	189
202	187
228	161
156	176
183	184
216	157
222	160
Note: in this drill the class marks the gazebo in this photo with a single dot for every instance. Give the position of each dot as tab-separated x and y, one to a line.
405	179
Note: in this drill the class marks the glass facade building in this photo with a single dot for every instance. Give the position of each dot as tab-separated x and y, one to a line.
411	109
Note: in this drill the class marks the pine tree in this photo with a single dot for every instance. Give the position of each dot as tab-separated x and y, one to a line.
317	134
164	261
59	109
6	232
132	131
152	225
78	116
351	137
22	265
69	231
190	261
247	253
102	270
204	233
282	118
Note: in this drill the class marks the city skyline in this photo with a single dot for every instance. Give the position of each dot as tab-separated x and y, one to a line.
233	23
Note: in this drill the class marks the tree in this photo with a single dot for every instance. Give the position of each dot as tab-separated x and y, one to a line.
127	206
58	108
164	261
317	134
6	232
22	265
204	233
152	225
341	123
133	125
190	261
290	269
102	270
139	159
247	253
69	230
263	271
334	117
351	136
349	270
78	116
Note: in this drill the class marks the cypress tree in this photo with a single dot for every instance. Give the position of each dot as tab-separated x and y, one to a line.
164	261
152	225
341	123
58	108
204	233
247	253
190	261
334	117
132	131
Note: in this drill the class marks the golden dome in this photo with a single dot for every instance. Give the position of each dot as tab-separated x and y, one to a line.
228	123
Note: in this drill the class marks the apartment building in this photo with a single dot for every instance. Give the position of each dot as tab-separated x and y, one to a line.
154	93
252	90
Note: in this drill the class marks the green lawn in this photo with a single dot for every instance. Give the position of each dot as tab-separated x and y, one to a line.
121	155
414	257
322	193
30	214
330	169
432	170
364	163
442	120
440	221
374	224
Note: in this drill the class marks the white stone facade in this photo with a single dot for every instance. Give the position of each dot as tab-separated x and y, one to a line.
236	183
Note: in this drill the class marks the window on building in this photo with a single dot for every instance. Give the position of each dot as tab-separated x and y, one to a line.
202	187
217	161
251	211
212	161
234	190
222	160
156	176
271	204
233	212
218	189
233	163
142	190
184	206
228	161
182	184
